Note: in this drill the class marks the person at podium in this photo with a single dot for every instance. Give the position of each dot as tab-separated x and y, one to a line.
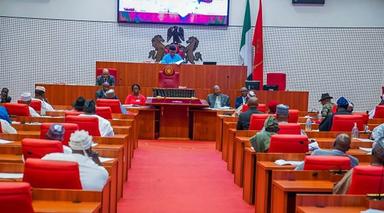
172	57
218	100
136	99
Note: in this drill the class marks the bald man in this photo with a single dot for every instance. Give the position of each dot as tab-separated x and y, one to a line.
105	77
245	117
217	99
341	145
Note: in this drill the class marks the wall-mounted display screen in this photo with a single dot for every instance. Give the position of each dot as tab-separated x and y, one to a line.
198	12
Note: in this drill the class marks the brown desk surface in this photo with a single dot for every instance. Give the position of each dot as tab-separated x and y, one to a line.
304	185
65	206
330	209
269	165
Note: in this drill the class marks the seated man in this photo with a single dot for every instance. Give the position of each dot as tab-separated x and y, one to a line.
282	112
245	117
105	77
101	92
56	133
172	57
377	159
261	141
105	127
340	147
110	94
5	122
93	177
26	98
79	104
40	95
372	112
327	105
5	98
241	99
136	99
342	109
217	99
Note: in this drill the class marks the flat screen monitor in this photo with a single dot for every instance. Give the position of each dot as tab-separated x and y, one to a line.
252	85
197	12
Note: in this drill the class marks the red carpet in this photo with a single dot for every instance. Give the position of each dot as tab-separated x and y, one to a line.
180	177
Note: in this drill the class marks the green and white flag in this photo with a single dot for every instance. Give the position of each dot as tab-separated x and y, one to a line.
246	40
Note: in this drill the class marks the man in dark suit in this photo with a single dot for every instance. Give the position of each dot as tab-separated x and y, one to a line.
342	109
217	99
105	77
245	117
102	93
241	99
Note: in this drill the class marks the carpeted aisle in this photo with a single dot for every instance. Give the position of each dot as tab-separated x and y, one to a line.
180	177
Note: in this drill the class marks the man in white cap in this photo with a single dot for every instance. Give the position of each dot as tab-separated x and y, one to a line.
26	98
110	94
92	176
40	95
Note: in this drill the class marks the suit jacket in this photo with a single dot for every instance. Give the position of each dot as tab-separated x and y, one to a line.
100	94
245	117
211	99
100	80
239	101
326	124
6	100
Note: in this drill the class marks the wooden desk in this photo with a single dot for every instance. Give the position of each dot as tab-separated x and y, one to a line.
221	118
43	206
226	137
203	125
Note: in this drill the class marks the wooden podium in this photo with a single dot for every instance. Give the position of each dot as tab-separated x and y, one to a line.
175	117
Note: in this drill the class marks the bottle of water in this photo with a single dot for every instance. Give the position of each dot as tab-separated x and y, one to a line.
355	131
308	124
319	116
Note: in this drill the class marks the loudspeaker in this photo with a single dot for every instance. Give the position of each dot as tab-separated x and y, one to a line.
308	1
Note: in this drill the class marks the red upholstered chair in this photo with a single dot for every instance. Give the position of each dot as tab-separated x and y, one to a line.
72	113
367	180
262	108
35	104
257	121
169	78
346	122
87	123
38	148
326	163
293	116
288	144
334	108
275	78
112	72
52	174
17	109
364	115
289	128
104	112
114	104
379	111
15	197
68	127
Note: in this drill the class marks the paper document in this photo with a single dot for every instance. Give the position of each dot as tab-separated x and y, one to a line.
368	150
5	141
11	175
364	140
282	162
104	159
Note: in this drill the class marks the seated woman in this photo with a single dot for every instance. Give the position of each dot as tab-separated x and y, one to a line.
135	98
5	122
79	104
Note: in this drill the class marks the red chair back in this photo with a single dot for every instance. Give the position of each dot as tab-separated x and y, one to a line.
327	163
52	174
293	116
38	148
112	72
17	109
346	122
288	144
169	78
379	111
257	121
87	123
262	108
289	128
278	79
72	113
35	104
334	108
367	180
15	197
104	112
244	108
68	127
364	115
114	104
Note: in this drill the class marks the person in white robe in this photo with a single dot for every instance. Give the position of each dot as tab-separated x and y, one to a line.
105	126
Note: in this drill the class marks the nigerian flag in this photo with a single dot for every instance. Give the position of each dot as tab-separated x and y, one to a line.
246	41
